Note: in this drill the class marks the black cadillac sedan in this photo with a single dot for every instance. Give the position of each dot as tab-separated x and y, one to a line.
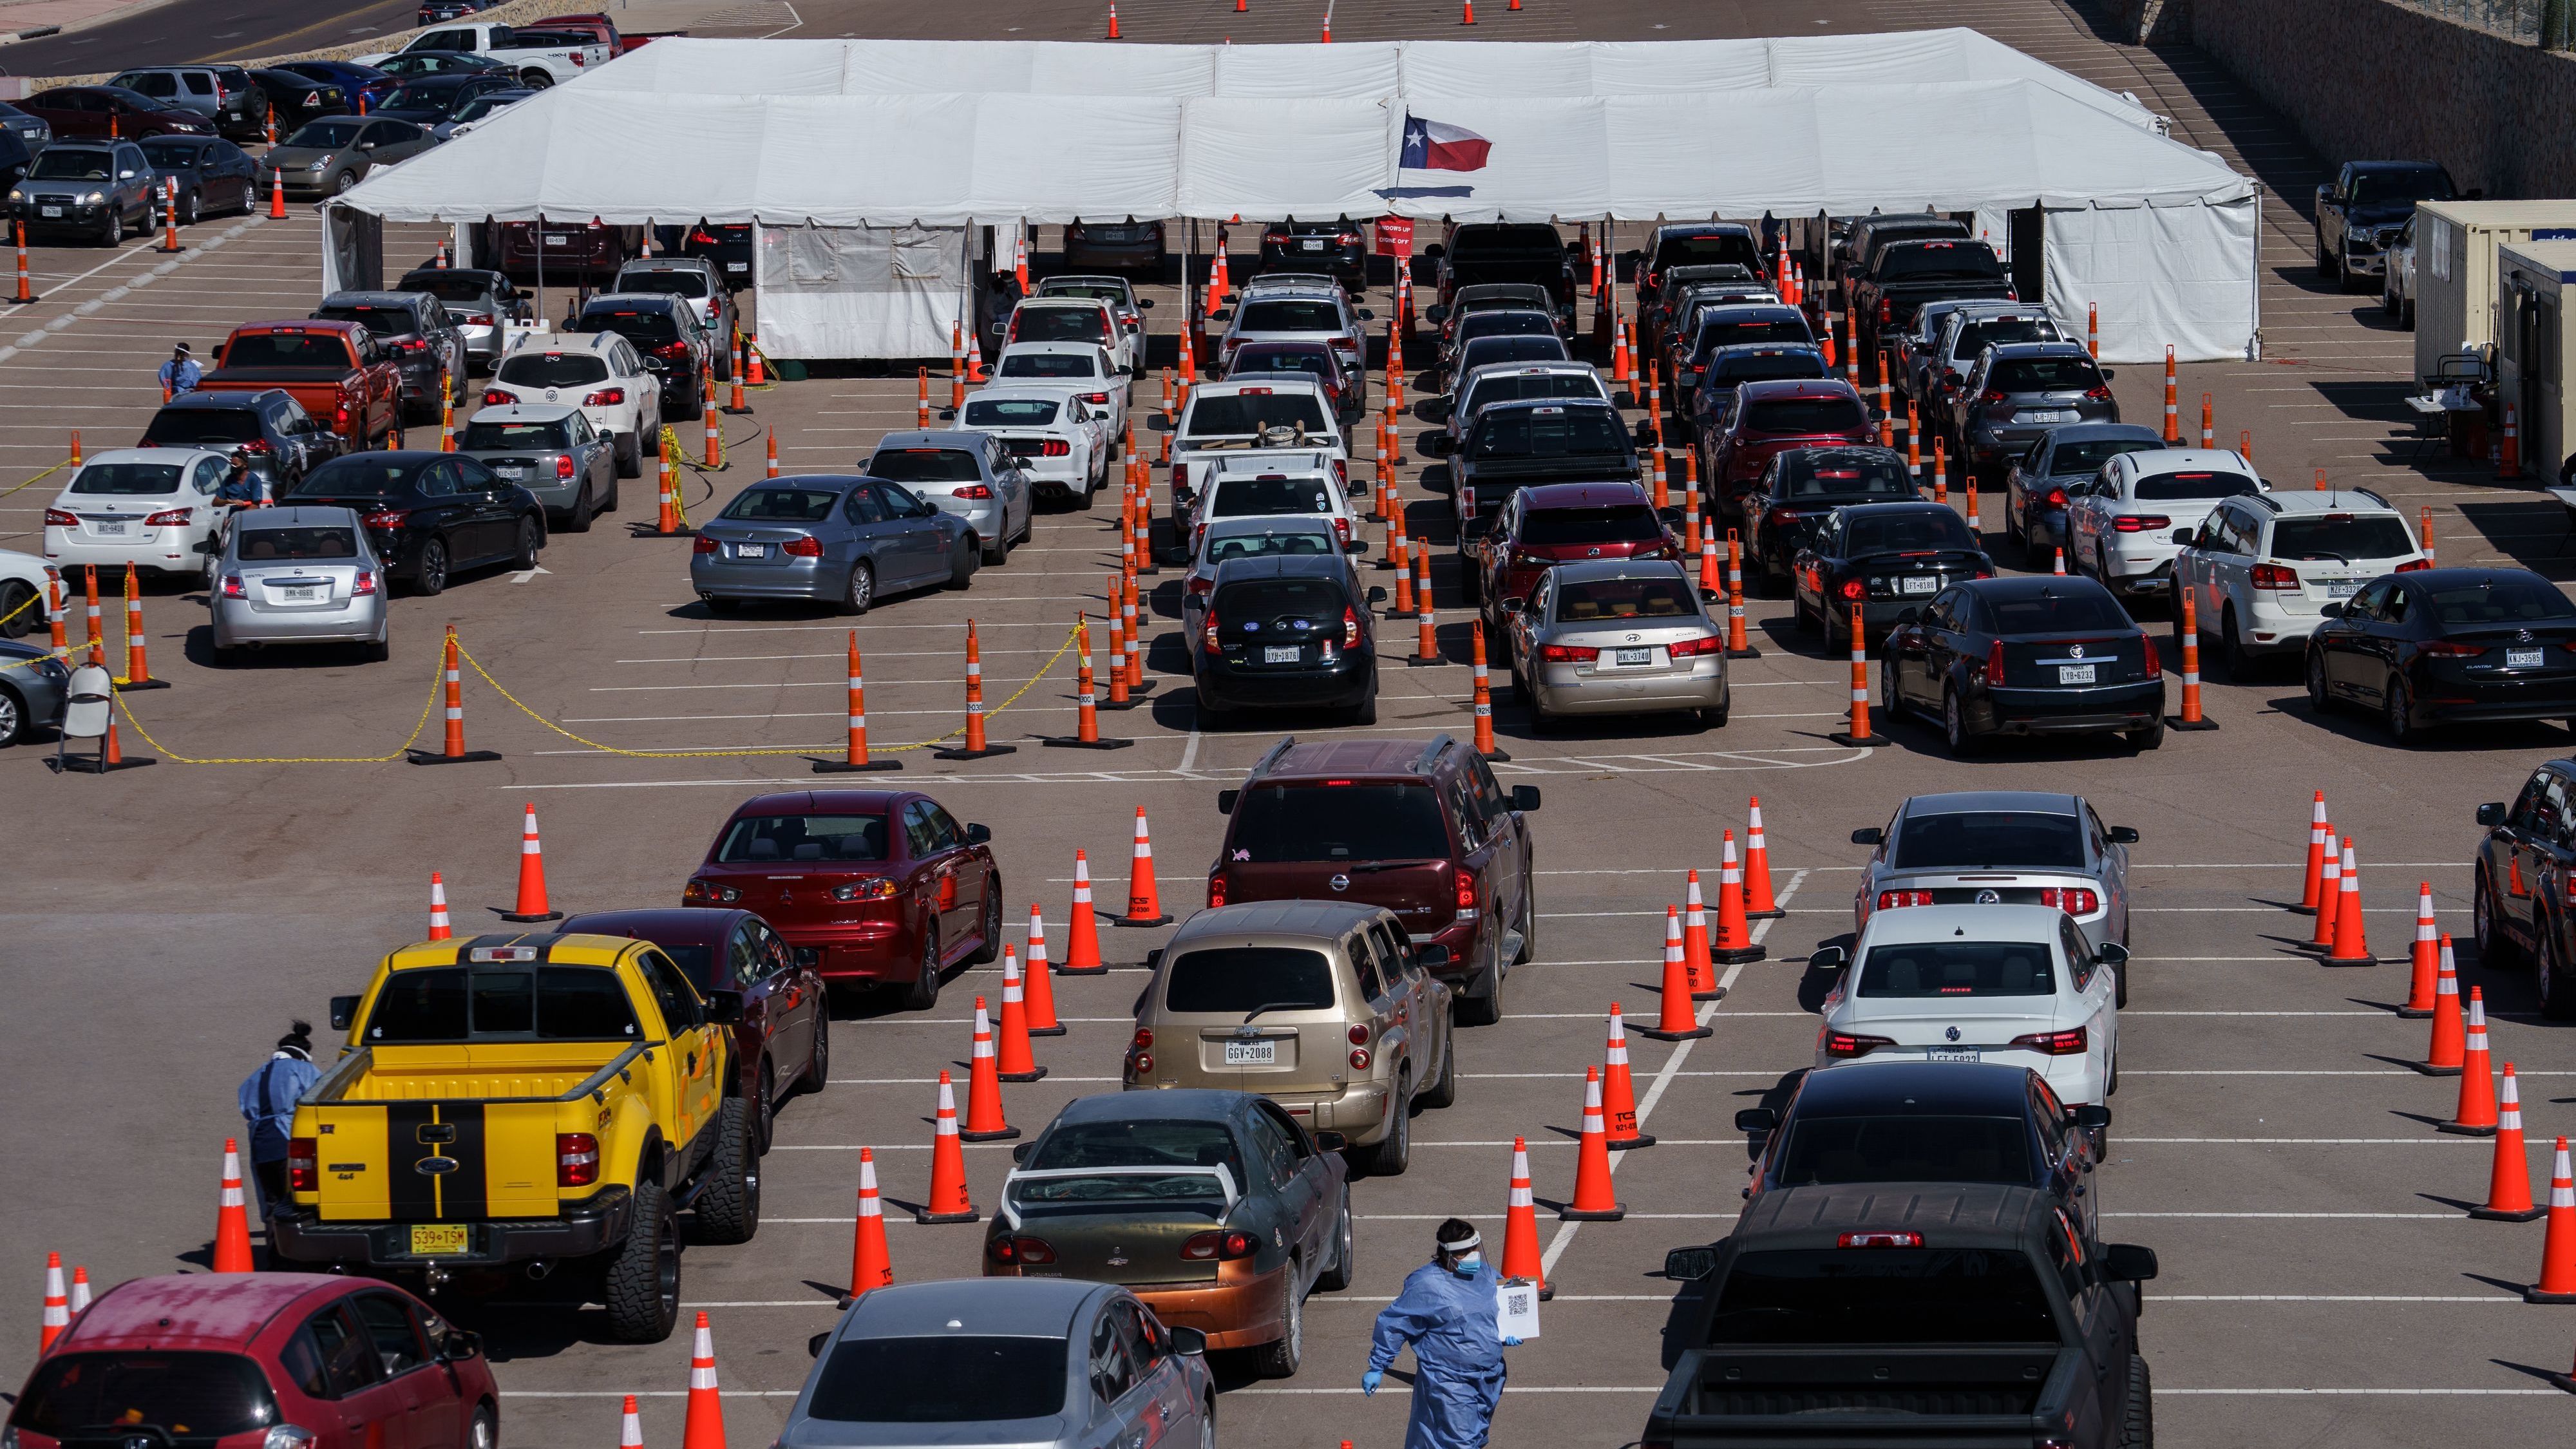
2024	656
1801	488
430	515
2448	646
1889	558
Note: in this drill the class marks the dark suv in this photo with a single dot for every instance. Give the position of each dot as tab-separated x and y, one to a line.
414	328
284	442
1557	523
667	335
1418	827
2526	876
1289	631
1293	245
1477	252
2020	390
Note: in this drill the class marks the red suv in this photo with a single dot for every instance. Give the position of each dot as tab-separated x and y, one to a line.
1420	828
870	887
285	1360
1765	418
1554	523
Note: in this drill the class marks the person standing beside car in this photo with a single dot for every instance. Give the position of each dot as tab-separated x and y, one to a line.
267	1099
180	374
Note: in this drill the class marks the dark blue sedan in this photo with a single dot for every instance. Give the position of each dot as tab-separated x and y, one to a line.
213	176
2024	656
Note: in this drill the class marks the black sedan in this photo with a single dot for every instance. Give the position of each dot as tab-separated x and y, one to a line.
2027	656
2448	646
430	100
299	98
1287	631
1801	488
214	175
1886	557
431	515
782	1040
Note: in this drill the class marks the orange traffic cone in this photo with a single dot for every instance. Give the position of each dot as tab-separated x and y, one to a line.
532	876
1677	1022
976	747
439	929
2444	1056
948	1202
2476	1114
984	1121
80	1289
870	1265
2351	947
232	1220
1039	990
2509	1182
630	1426
1082	930
58	1305
1521	1257
2329	898
1013	1060
855	759
1592	1201
1734	944
2428	957
277	196
2558	1251
1144	902
1113	19
1703	977
771	441
1619	1091
1758	902
704	1428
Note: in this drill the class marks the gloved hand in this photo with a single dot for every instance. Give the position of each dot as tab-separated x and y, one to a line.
1511	1343
1369	1381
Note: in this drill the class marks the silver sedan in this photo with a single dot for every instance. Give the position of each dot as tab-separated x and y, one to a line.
300	574
1033	1363
1617	637
970	476
838	540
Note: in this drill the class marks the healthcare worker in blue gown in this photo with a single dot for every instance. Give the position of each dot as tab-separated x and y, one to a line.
1446	1312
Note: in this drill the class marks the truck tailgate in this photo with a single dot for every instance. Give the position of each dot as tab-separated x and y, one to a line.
1956	1397
427	1160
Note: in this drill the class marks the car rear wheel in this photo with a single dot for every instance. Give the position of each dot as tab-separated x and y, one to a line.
13	716
430	579
2150	736
1338	1276
924	993
2319	699
642	1284
19	614
818	1070
1954	726
629	452
1394	1152
989	948
1278	1359
535	79
728	1207
860	591
2495	948
2555	983
1443	1091
2398	712
582	510
2242	666
997	552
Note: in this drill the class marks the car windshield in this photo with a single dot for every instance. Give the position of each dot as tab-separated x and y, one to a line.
1234	414
2388	188
1605	523
782	505
2500	601
1765	367
1514	386
950	1379
1337	822
1718	332
1946	260
927	465
2050	612
1930	531
490	101
197	1396
70	163
1263	497
459	1003
2341	536
150	480
358	476
2044	374
1289	315
326	135
1547	431
1844	476
1223	546
1233	980
1989	840
1826	1151
553	369
1048	364
1975	337
670	283
1839	1297
1059	324
382	321
2187	487
1009	412
262	545
447	286
1597	599
195	427
803	837
481	436
288	349
651	329
1912	970
1805	415
2089	454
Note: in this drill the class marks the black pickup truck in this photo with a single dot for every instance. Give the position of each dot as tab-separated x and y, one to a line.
1528	441
1907	274
1972	1317
2361	211
1477	252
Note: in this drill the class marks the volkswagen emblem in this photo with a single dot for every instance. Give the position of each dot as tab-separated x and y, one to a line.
1592	553
1989	898
1341	882
2074	651
1952	1033
550	394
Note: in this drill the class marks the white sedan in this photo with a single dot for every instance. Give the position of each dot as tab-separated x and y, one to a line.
1085	370
153	508
23	603
1061	442
2120	523
2012	984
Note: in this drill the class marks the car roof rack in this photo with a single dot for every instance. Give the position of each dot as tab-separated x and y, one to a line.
1429	759
1270	760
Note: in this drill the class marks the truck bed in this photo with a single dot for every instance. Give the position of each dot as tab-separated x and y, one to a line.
500	1073
1811	1397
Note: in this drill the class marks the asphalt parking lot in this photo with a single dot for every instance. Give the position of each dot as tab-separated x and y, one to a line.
2320	1281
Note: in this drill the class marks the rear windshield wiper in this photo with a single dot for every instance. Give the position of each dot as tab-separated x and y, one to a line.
1277	1006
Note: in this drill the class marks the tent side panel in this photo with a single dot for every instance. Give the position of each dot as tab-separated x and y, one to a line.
2164	276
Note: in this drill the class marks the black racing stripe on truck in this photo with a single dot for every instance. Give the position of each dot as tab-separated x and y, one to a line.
463	1194
412	1195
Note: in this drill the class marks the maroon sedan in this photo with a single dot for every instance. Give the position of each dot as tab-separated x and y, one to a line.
782	1041
259	1361
1772	417
1554	523
110	110
870	887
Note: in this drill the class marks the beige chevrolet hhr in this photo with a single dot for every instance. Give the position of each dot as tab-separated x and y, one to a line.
1322	1006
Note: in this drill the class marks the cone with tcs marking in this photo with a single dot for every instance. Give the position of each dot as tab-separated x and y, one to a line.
1677	1022
58	1305
984	1121
2558	1251
947	1202
1593	1201
705	1427
975	747
1038	988
440	928
1086	719
1758	902
232	1219
1733	945
1619	1090
856	759
453	752
532	875
1144	901
1012	1059
2443	1057
630	1426
2509	1181
1703	977
1082	928
2351	946
1521	1258
2475	1116
871	1266
2427	958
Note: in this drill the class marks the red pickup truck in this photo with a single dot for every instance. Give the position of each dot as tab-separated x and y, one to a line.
335	370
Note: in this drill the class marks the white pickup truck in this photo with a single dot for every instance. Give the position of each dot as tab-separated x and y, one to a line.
541	57
1231	417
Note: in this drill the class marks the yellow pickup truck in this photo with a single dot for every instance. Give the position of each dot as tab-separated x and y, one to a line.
527	1102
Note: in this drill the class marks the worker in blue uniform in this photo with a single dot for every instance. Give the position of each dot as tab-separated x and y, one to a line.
1447	1313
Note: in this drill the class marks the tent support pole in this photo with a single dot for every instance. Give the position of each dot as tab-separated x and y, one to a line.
538	239
2254	343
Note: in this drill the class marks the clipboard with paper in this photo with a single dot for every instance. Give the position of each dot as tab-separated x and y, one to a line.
1516	1309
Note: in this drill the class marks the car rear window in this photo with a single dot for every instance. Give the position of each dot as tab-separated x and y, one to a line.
1826	1151
482	436
1010	412
546	1003
648	328
1701	251
1533	347
191	427
1221	547
2187	487
1305	607
781	505
194	1396
926	465
1525	237
1281	359
670	283
1514	386
1097	291
2088	456
1989	839
129	480
760	838
263	545
2501	601
1233	980
1261	497
1838	1297
1058	324
1913	971
1506	324
1844	476
1766	367
326	135
1926	532
1926	261
2052	613
288	349
2341	536
1290	315
2044	374
1549	431
1327	821
1805	415
1137	1142
1049	364
950	1379
553	369
1975	337
1609	523
357	476
1234	414
1746	332
1579	603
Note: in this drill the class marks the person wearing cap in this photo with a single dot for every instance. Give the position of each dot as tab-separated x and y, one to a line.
268	1097
181	372
1447	1314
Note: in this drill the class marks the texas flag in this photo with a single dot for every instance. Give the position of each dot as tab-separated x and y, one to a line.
1433	146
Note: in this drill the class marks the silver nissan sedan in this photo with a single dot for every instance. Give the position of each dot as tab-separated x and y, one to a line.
300	574
836	539
1617	636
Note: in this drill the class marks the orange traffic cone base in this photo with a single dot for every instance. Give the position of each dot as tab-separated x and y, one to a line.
844	767
1657	1033
2497	1215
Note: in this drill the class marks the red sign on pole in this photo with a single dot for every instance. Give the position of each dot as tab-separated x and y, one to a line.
1395	236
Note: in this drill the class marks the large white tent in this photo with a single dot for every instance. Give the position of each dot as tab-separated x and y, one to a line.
846	134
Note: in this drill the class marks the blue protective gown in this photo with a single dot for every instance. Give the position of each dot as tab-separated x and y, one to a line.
1457	1355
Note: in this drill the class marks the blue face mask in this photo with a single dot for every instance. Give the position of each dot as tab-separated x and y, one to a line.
1467	1265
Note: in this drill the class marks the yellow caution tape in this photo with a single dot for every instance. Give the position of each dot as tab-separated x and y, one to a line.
437	675
39	478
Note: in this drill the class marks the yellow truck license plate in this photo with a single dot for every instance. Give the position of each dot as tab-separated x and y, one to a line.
438	1238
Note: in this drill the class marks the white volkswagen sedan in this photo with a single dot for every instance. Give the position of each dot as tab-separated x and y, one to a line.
2120	523
1980	983
1082	370
153	508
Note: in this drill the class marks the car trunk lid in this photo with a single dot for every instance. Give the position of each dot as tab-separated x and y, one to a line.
2076	661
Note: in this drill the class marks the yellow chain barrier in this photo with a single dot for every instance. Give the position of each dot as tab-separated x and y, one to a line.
437	677
39	478
37	598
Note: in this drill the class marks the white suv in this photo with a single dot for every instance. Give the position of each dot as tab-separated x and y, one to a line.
2121	522
597	372
2260	567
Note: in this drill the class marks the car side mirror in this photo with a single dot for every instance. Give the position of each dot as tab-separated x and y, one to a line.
1645	432
1376	595
459	1345
1020	1151
2490	814
1877	415
1436	445
1435	314
724	1008
124	175
366	145
1515	605
2182	536
1154	959
1829	958
2092	1116
814	1345
2330	610
2128	1263
1145	304
979	834
1331	1142
1225	798
1155	422
2108	374
1365	314
1188	1342
1756	1119
1525	798
344	1009
1870	835
1689	1265
1433	955
2124	835
2111	953
1434	252
948	415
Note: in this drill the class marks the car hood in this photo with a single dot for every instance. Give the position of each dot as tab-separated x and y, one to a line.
49	187
287	158
2379	215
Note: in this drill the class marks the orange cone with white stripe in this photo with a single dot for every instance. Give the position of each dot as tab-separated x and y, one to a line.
232	1219
975	747
532	875
439	926
2509	1182
2443	1057
1521	1258
1733	945
1144	900
871	1266
2558	1251
1619	1090
2351	945
2428	957
80	1289
1593	1201
984	1121
1703	977
1678	1022
58	1305
1013	1060
1082	929
705	1427
2329	898
1759	905
1039	990
2475	1116
630	1426
948	1202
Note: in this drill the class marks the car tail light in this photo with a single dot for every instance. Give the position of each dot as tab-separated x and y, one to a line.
1015	1249
2056	498
57	518
364	585
1274	238
2411	565
1140	1064
495	397
415	344
563	466
1197	586
1055	448
2098	393
576	1159
1144	1038
2054	1043
1466	891
233	587
973	490
579	58
1220	1244
340	418
1358	1034
1180	479
702	544
1360	1059
672	349
1216	891
1342	529
303	1165
1854	589
606	397
2272	576
1346	238
2143	523
1879	1240
1994	398
1892	900
802	546
385	518
701	237
1995	663
1846	1045
708	893
2073	900
1692	648
2155	661
1350	627
1885	315
1101	398
874	888
1208	639
1567	654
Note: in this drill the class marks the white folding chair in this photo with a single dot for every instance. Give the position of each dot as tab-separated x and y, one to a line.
85	716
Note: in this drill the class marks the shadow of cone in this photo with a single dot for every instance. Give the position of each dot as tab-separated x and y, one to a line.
1677	1021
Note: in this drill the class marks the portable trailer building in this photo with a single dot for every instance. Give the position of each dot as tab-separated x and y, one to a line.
2455	268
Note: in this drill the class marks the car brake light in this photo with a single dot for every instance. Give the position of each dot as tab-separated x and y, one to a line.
1995	663
2272	576
702	544
707	893
576	1159
672	349
1197	586
233	587
415	344
1180	478
363	585
2444	649
1567	654
385	518
2155	661
563	465
1843	1044
2411	565
340	418
1208	639
2073	900
1140	1064
303	1165
701	237
1216	891
1350	628
1101	398
2054	1043
1893	900
1275	238
873	888
973	490
1854	589
1360	1059
1017	1249
1692	648
2142	523
495	397
607	397
1994	398
57	518
2056	498
1879	1240
1466	891
802	546
1055	448
1144	1038
1885	315
1215	1244
2100	392
1342	529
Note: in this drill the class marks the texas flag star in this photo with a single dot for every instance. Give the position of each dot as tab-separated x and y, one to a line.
1434	146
